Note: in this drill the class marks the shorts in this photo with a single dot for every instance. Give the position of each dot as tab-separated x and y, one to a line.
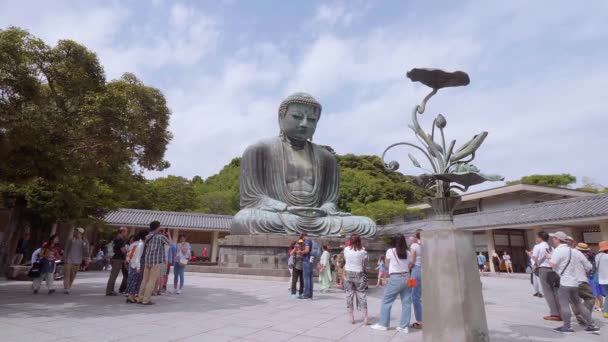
481	267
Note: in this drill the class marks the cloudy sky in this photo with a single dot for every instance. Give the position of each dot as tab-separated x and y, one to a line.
539	72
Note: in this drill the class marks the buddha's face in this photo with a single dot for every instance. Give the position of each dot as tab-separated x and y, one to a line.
300	121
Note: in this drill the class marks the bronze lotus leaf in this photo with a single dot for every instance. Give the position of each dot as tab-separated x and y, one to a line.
424	180
437	78
466	179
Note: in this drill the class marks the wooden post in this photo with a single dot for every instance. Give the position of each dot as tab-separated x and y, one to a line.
604	230
214	246
491	248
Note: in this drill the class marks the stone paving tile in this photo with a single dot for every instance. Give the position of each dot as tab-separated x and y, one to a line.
219	309
270	335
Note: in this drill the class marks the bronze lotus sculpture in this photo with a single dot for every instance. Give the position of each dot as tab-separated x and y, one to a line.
451	168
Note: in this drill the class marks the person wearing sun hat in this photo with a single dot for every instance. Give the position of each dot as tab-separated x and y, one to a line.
583	268
601	265
76	251
567	263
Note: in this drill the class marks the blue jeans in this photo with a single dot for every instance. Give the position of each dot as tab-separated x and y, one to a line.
397	285
307	275
178	271
605	308
417	293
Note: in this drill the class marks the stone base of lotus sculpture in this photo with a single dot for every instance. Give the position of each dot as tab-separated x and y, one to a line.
267	254
453	301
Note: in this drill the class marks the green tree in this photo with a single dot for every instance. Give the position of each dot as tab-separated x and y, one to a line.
70	140
558	180
172	193
219	194
382	211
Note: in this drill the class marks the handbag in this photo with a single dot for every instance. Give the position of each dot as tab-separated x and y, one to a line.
553	278
183	261
34	272
291	261
412	282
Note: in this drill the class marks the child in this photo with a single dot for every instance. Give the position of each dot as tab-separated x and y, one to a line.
381	268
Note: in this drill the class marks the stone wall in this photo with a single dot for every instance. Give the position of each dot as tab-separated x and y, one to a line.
267	254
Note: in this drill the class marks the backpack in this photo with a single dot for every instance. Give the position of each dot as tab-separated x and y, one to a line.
316	251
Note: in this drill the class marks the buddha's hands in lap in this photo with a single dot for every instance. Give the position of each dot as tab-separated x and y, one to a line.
306	211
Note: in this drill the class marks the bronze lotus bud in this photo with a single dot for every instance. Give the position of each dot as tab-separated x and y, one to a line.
440	121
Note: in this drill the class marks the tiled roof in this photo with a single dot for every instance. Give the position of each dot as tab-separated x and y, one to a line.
551	212
168	219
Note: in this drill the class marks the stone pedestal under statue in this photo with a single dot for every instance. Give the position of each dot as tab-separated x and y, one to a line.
267	254
451	288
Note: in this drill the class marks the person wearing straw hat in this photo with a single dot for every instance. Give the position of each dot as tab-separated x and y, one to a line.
601	265
583	268
567	263
76	251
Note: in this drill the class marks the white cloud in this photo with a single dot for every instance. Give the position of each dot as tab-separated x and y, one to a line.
535	84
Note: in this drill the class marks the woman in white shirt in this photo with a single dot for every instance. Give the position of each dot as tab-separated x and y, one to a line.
180	260
136	250
601	265
355	283
398	259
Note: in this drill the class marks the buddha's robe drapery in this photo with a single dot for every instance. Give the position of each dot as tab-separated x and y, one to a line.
265	195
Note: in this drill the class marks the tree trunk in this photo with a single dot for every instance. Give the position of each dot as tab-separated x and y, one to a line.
9	232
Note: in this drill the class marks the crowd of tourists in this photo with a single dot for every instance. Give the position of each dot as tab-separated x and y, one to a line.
144	261
572	279
399	273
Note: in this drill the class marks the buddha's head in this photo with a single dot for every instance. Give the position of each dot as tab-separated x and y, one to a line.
298	116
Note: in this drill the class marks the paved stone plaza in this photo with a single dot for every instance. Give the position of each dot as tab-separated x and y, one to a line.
229	309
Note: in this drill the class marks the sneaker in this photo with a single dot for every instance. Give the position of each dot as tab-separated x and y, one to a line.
293	296
179	291
301	297
592	329
66	291
51	291
35	291
379	327
405	330
552	318
563	330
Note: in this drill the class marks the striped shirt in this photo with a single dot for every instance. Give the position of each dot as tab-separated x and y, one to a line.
155	249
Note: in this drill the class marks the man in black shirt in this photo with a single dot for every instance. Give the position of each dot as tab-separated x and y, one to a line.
118	263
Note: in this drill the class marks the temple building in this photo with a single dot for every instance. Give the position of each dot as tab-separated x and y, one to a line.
506	218
201	230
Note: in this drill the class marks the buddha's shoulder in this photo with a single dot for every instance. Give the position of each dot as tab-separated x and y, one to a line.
263	144
325	151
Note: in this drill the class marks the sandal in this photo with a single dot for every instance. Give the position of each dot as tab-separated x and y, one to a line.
417	325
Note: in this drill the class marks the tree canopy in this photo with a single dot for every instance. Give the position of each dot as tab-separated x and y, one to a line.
71	143
558	180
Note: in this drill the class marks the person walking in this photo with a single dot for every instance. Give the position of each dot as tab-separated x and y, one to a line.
381	268
565	262
355	283
49	253
540	256
307	264
325	269
297	275
76	252
136	250
415	266
583	268
601	265
508	263
398	259
119	246
155	257
23	249
180	260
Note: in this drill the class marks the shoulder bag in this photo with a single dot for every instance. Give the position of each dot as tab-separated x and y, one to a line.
553	278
